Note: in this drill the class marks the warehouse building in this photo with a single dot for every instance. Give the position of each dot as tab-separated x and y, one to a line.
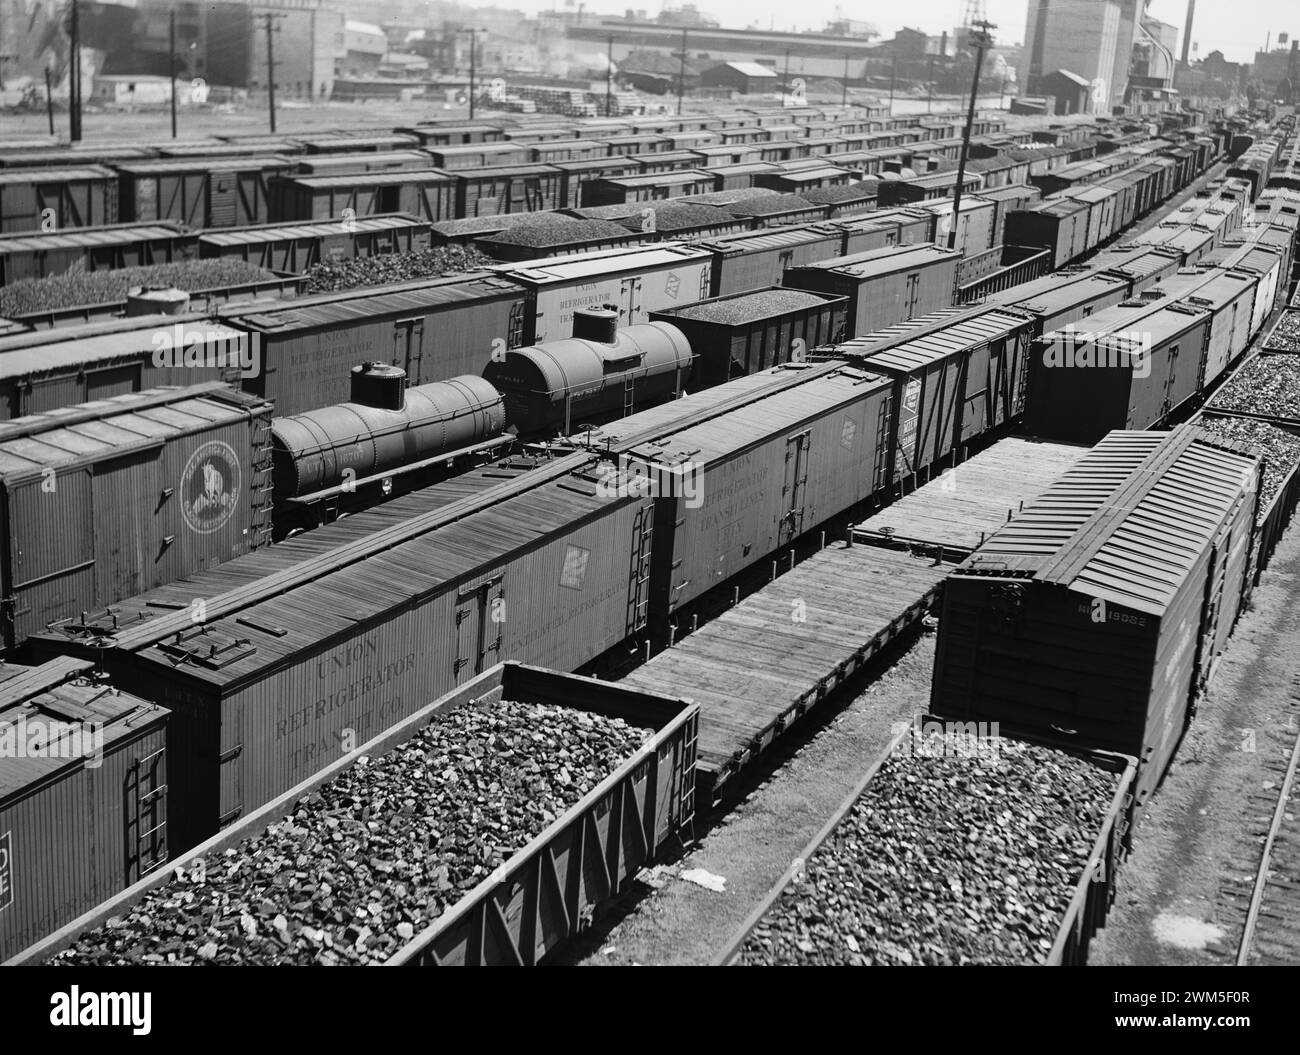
747	78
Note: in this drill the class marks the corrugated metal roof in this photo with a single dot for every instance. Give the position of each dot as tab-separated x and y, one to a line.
773	238
91	431
1127	521
63	691
277	232
967	333
86	237
496	172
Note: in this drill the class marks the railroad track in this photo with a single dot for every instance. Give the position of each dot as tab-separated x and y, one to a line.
1271	934
1269	896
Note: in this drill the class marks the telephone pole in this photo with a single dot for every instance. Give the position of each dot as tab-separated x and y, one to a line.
844	89
981	39
171	58
609	80
271	19
74	83
681	76
473	49
893	80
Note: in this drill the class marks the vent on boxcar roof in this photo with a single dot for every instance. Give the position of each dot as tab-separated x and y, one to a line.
210	647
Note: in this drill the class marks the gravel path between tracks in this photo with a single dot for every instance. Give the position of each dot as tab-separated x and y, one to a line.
1200	828
751	842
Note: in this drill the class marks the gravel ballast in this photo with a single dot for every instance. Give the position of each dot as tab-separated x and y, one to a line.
944	859
1267	385
751	307
1279	448
381	851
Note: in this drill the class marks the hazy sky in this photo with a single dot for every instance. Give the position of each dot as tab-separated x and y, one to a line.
1236	27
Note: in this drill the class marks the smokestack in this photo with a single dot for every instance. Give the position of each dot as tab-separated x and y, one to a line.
1187	32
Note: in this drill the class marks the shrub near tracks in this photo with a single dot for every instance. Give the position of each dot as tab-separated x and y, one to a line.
945	859
376	855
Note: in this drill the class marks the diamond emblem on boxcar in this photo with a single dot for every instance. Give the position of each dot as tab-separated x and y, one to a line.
6	871
210	487
672	285
575	567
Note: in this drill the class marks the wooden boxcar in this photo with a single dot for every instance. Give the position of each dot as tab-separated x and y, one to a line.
73	834
200	192
37	254
49	199
429	195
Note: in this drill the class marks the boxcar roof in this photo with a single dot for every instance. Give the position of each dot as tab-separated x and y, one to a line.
164	166
969	332
62	691
86	237
885	259
309	614
62	349
91	431
1165	494
372	179
275	232
56	175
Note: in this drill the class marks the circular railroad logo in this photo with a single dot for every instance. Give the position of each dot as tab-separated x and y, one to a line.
210	487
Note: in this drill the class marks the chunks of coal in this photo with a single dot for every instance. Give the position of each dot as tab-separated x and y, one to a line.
752	307
1267	385
1285	336
560	231
766	206
381	851
945	859
1279	448
331	276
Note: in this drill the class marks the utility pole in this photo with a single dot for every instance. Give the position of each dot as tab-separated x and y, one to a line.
271	19
171	58
844	93
49	100
929	88
981	39
893	79
609	80
74	83
473	68
3	60
681	75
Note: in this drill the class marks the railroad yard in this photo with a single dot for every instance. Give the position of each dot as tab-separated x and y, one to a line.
751	535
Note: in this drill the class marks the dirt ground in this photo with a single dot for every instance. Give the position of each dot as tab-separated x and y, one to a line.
772	816
105	126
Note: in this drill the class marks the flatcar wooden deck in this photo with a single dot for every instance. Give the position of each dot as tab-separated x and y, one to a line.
957	511
757	668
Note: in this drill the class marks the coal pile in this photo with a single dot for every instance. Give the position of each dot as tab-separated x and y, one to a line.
846	192
560	231
679	217
335	276
767	206
1268	385
1279	448
80	288
945	859
751	307
1286	334
378	853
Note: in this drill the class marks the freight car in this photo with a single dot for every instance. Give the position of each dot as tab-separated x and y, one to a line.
38	254
633	281
49	199
87	819
201	192
636	802
778	209
1086	658
575	175
1131	368
883	286
508	189
563	236
297	247
432	329
46	370
743	333
927	187
429	195
757	260
1070	809
614	190
109	499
